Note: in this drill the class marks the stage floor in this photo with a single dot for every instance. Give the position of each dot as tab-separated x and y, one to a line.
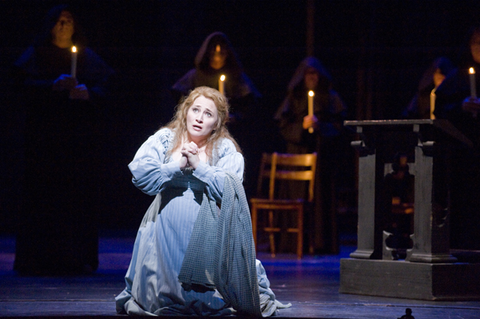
311	285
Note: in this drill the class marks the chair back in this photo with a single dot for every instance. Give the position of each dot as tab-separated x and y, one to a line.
293	167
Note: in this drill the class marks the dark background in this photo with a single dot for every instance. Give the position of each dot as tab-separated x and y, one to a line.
376	51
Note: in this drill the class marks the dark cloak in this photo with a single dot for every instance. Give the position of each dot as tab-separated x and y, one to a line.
465	168
244	120
419	106
237	84
328	140
328	107
57	227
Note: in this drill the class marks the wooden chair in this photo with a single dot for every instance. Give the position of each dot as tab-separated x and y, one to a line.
283	167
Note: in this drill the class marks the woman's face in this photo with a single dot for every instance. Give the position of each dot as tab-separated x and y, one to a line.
202	119
63	29
438	78
218	57
311	78
475	47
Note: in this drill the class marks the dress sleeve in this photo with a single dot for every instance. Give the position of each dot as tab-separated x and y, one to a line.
149	171
230	160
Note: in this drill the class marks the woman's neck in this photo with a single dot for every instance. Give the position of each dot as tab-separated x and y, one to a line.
63	43
201	143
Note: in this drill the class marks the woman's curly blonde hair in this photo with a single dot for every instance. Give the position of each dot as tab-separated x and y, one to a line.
178	124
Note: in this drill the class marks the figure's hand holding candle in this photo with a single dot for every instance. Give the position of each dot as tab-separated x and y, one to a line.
221	84
473	86
73	72
310	107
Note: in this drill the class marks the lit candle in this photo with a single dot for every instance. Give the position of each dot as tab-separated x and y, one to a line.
473	87
310	107
432	103
221	84
74	62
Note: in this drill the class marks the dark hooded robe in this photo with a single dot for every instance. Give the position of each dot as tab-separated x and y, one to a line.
240	92
419	106
238	88
326	140
328	108
57	226
465	168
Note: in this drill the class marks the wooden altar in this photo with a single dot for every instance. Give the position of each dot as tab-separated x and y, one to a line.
428	271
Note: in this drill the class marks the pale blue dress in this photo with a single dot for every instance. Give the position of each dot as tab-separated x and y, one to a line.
152	285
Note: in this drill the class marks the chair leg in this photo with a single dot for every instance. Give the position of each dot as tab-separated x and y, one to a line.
254	225
271	235
300	234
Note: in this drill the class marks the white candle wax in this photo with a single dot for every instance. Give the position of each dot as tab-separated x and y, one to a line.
473	86
432	104
310	107
73	72
221	84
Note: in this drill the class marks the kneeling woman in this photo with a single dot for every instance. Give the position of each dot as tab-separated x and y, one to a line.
190	256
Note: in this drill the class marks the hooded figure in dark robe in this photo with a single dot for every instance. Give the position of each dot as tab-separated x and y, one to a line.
238	88
328	108
57	227
216	57
419	106
326	138
455	103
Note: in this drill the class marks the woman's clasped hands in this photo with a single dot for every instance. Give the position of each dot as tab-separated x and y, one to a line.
190	158
67	82
471	105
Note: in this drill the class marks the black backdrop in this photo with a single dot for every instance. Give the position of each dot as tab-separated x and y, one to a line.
376	51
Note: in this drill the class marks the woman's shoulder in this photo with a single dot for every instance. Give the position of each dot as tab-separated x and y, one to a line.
26	56
226	153
164	136
91	54
226	147
164	131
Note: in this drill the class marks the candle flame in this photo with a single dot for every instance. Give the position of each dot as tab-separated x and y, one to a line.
471	71
74	49
222	77
311	93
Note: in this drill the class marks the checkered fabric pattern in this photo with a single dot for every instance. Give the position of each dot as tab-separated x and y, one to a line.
221	252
